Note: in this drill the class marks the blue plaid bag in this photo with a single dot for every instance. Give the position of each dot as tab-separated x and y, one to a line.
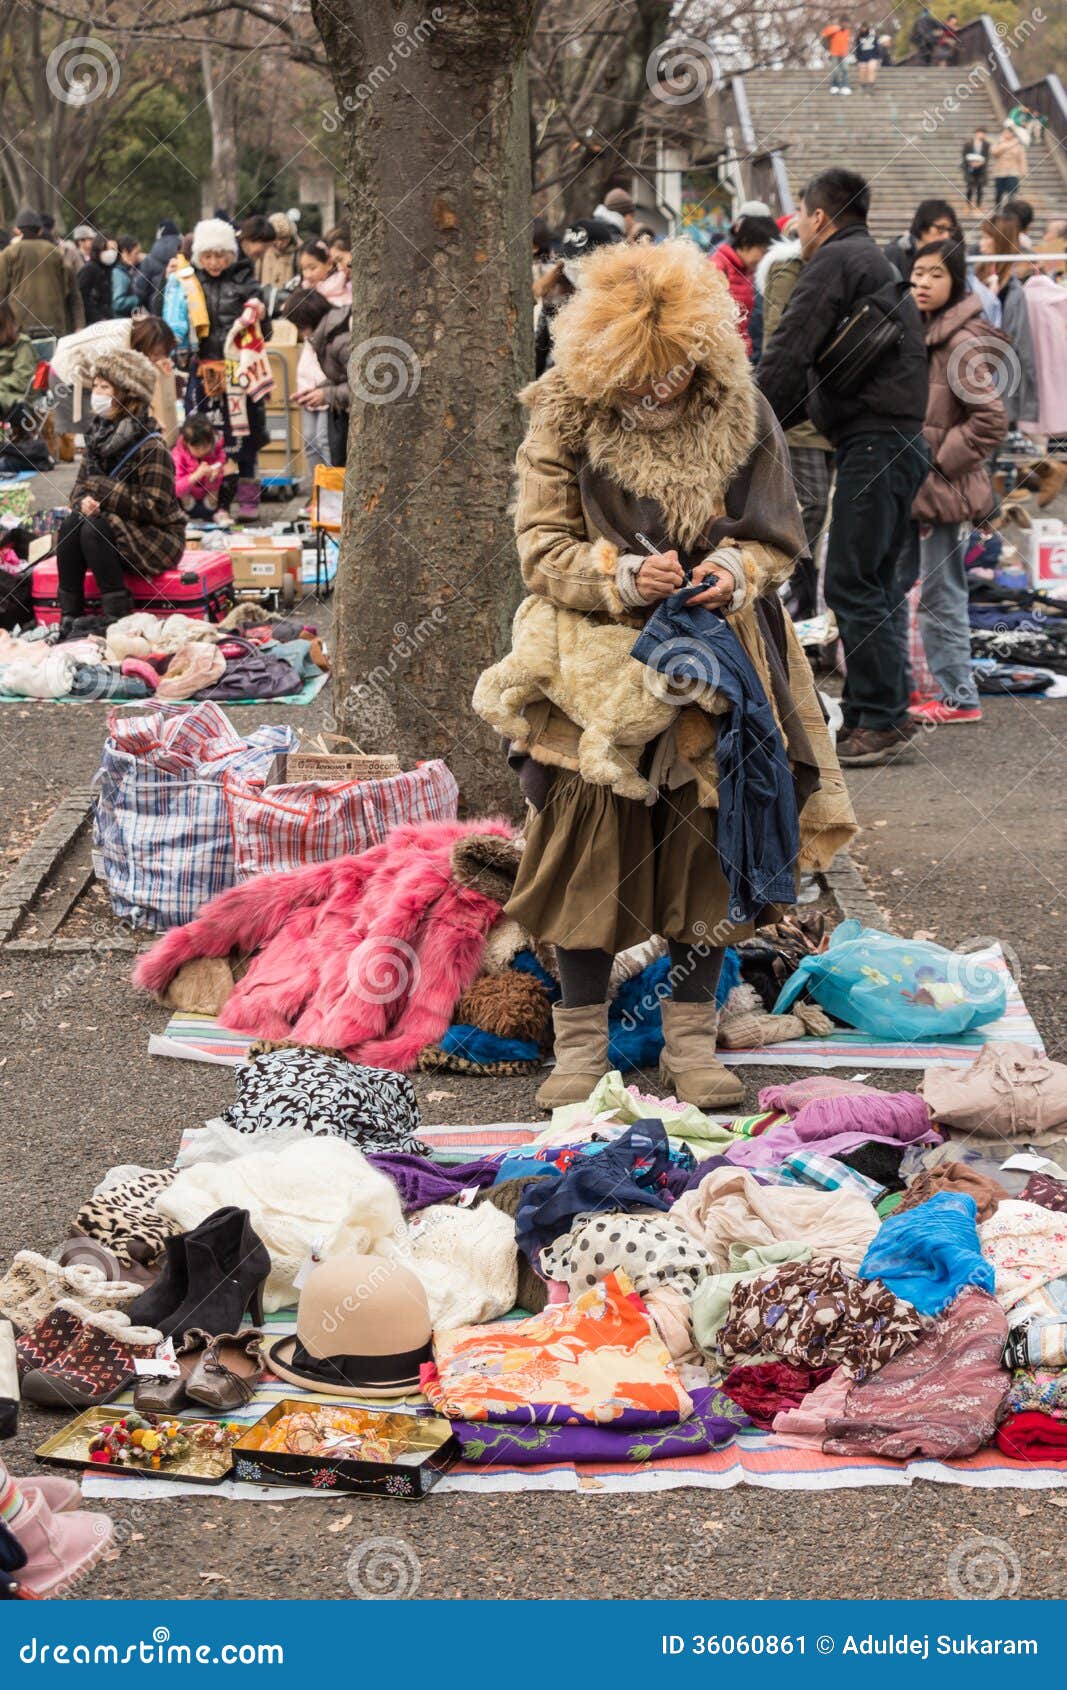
162	842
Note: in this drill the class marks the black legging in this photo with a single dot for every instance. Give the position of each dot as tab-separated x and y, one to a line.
693	976
85	543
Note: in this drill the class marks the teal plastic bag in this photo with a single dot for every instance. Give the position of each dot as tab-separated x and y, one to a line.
898	989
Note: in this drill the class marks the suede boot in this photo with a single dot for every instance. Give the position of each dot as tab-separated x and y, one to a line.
71	606
59	1547
688	1063
581	1048
247	501
114	606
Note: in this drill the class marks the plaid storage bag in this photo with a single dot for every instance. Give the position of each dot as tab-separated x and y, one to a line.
285	827
161	832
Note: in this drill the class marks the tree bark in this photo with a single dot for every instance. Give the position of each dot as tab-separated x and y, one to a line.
433	105
222	190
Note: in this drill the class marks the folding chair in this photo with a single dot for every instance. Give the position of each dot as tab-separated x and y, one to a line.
326	494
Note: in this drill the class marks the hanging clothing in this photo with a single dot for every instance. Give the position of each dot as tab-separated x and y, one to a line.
758	837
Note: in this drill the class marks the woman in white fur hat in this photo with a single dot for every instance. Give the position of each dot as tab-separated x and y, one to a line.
221	291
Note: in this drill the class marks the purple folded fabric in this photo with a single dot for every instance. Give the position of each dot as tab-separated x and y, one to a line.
839	1123
421	1183
713	1423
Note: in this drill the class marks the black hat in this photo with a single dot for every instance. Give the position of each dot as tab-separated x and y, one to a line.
28	219
582	236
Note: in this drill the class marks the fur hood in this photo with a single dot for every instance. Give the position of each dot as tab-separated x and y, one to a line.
687	467
781	252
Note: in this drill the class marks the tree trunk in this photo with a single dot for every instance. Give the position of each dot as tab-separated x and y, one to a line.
433	105
221	88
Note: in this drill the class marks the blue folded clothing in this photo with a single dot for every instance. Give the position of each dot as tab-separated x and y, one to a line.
929	1254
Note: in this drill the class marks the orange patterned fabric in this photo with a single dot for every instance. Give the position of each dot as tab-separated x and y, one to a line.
595	1361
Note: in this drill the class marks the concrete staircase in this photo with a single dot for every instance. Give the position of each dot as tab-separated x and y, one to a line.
903	137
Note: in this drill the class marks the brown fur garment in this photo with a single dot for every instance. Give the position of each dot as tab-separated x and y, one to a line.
511	1005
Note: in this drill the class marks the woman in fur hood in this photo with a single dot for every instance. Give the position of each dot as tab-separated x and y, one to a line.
649	457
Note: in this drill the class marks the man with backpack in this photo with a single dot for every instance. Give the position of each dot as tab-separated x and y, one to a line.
848	353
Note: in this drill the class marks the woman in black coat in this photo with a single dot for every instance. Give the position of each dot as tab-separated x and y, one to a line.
94	279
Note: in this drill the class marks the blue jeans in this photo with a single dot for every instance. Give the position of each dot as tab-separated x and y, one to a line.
839	73
943	621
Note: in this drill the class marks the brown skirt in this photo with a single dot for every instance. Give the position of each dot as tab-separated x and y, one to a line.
604	873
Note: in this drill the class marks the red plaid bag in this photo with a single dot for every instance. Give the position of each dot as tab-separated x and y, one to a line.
283	827
922	680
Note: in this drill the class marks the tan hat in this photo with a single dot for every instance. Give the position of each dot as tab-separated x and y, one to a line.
363	1325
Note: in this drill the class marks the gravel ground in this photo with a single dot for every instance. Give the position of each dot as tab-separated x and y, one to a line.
968	842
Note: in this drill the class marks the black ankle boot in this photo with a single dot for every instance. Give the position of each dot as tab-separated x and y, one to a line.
170	1289
226	1264
71	606
114	606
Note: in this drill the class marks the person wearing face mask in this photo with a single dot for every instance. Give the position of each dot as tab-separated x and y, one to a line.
650	462
125	519
94	279
965	422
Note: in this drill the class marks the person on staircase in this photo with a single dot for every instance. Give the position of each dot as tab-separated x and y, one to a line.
874	420
219	289
975	165
1007	156
125	519
838	39
649	459
868	54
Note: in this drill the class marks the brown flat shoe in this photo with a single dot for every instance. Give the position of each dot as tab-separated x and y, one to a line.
163	1395
227	1373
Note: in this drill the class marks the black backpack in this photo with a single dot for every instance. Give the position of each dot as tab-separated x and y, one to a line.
859	344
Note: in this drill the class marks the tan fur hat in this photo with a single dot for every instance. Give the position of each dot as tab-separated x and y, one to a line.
640	312
131	374
362	1326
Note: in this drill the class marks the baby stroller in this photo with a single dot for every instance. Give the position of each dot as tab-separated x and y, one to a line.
21	430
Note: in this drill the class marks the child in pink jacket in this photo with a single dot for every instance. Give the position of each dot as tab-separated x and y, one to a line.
199	466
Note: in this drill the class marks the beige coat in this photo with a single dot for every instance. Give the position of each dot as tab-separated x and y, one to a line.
1007	156
569	694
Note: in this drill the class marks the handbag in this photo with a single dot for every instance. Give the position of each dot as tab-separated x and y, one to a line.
864	338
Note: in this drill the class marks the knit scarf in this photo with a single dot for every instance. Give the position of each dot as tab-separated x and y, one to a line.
195	303
107	438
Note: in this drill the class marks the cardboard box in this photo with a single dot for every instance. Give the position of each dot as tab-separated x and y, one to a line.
263	569
1047	551
291	768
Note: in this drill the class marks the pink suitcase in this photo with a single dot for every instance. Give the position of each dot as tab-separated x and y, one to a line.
201	586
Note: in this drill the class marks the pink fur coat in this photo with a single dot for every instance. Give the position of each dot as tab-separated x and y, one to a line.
365	954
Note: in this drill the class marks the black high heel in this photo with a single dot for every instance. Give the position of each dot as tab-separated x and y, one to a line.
214	1279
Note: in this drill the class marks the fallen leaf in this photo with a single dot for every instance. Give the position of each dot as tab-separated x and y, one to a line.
214	1578
439	1096
1058	1500
1022	1511
879	824
340	1525
209	1525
